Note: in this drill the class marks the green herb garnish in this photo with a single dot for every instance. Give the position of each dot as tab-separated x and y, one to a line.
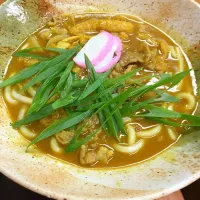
110	99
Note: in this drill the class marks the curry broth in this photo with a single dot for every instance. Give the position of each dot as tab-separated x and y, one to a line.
152	145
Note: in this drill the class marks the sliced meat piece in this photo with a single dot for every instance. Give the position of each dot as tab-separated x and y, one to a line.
47	121
129	58
45	34
104	154
143	35
153	60
58	31
114	73
64	137
158	64
87	157
92	122
164	47
130	68
123	36
90	157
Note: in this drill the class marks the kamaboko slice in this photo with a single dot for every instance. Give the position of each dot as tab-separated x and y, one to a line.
111	58
96	49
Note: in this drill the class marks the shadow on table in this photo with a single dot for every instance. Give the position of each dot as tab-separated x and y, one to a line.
12	191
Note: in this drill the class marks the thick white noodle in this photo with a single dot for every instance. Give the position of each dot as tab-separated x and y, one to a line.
131	135
129	149
172	134
8	96
55	146
189	97
172	52
56	39
150	132
35	43
26	132
21	98
22	113
171	107
23	129
181	65
31	91
180	59
126	119
164	105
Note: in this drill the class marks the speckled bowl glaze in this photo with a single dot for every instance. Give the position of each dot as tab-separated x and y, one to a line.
165	173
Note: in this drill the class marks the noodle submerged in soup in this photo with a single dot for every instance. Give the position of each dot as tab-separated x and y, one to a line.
143	46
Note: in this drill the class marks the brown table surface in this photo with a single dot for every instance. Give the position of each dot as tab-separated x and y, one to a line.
12	191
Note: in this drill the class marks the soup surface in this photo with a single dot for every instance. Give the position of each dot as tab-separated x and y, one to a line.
144	46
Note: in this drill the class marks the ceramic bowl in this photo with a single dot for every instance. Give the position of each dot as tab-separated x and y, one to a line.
173	169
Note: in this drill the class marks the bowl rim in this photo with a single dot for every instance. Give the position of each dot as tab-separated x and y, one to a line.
41	191
33	187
